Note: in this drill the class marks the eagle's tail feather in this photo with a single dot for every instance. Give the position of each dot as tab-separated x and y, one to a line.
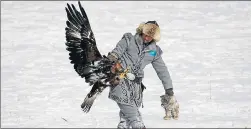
88	102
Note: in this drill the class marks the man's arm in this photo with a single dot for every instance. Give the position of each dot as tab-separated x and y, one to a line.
168	101
121	47
162	72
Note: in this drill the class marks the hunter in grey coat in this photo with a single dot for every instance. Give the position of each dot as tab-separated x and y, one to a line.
135	54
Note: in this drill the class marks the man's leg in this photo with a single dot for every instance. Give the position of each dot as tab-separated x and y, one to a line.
123	122
131	116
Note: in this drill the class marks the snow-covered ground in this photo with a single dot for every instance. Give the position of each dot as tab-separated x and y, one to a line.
207	48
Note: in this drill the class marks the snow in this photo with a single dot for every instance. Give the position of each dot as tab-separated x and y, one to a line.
206	47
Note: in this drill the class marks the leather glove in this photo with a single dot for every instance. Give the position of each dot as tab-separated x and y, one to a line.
170	104
112	57
116	68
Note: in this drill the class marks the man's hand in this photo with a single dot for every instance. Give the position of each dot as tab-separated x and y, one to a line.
114	81
112	57
171	106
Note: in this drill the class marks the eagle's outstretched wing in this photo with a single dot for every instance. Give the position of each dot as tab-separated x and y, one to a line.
84	54
81	42
87	60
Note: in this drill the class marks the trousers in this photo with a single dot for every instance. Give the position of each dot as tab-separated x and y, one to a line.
130	117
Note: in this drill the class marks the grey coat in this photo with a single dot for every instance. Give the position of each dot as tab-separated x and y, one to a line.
135	55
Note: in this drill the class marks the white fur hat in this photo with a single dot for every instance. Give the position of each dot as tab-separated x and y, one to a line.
150	28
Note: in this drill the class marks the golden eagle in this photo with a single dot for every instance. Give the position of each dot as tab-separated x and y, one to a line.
85	56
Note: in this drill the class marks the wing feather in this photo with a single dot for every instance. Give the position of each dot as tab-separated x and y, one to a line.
71	16
80	40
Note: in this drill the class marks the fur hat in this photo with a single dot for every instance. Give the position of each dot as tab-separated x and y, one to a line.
150	28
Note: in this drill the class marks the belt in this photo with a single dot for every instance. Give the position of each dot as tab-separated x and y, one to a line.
138	80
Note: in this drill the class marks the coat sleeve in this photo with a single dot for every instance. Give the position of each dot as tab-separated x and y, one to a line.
161	70
121	46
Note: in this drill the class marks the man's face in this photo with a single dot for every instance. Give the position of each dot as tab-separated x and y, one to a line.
146	38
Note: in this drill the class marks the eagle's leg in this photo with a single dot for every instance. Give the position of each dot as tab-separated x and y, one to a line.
93	90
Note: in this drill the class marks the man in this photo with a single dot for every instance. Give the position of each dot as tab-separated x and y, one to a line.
135	52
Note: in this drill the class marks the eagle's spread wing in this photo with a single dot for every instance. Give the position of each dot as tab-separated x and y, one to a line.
80	41
84	54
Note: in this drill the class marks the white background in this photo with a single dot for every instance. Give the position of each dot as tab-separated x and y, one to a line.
207	48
